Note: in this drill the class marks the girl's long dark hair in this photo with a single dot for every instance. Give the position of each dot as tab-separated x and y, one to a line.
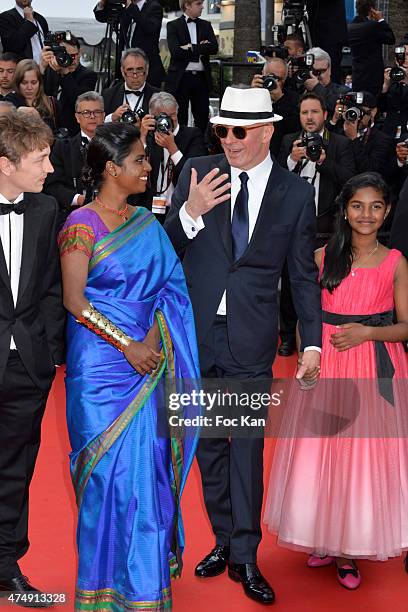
339	253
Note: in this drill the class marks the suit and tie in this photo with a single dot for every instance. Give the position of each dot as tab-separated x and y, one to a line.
119	94
140	27
31	331
232	268
16	33
189	73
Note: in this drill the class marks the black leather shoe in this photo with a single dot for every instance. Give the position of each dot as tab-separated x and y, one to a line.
286	349
255	585
214	563
25	594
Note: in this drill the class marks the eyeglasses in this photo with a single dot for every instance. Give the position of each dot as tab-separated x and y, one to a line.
317	73
130	71
87	114
239	131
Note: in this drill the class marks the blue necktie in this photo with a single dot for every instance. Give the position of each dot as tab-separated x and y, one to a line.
240	219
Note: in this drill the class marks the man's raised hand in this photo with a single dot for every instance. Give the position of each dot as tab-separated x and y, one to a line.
209	192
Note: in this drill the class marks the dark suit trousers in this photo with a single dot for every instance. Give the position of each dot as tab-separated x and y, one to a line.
287	312
193	88
22	406
231	469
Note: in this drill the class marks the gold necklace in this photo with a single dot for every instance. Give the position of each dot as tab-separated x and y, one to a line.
123	213
364	259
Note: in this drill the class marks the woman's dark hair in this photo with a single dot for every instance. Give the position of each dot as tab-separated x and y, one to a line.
112	142
339	253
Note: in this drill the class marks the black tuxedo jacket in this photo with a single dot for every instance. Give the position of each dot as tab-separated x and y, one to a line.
68	161
146	36
37	320
113	97
327	20
177	36
72	85
285	229
374	153
399	229
16	32
366	38
190	142
338	167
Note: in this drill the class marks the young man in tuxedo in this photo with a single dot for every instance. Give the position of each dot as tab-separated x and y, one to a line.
168	152
133	92
191	41
22	31
235	218
67	83
140	25
68	155
31	326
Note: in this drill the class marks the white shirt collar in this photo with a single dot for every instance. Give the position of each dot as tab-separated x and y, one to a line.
19	10
4	200
85	136
256	174
141	88
176	130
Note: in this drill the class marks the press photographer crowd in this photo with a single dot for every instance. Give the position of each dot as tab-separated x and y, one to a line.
297	185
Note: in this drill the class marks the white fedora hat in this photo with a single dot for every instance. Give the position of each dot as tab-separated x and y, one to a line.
245	107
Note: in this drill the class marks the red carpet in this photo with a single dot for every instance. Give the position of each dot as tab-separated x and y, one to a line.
51	561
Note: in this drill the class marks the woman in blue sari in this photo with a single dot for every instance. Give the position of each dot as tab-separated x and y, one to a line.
130	329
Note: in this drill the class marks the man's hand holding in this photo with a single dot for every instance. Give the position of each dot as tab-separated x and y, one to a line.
147	125
209	192
311	83
322	158
376	15
257	81
402	152
166	141
387	80
117	114
350	129
308	368
29	13
297	153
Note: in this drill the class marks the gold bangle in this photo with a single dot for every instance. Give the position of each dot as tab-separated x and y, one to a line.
95	321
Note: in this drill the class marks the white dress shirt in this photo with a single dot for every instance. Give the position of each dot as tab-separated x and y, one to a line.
37	39
192	29
13	225
140	4
257	180
162	181
310	173
135	102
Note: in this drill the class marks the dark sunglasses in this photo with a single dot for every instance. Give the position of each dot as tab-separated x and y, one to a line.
317	73
239	131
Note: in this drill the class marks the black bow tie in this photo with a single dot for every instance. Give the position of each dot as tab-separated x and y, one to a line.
19	208
189	20
129	92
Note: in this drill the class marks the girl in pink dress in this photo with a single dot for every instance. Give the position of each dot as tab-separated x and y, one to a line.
343	494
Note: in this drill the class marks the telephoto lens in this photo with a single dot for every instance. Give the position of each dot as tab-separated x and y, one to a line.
270	82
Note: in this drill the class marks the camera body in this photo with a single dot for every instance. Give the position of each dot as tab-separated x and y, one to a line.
313	143
304	65
397	74
353	101
132	117
279	50
164	123
54	40
293	12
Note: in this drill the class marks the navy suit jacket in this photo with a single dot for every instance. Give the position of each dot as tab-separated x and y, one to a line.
285	229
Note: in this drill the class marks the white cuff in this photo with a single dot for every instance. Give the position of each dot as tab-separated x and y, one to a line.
75	200
176	157
400	164
312	348
109	119
190	226
291	164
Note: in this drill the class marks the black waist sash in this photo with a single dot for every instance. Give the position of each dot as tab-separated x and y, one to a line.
385	368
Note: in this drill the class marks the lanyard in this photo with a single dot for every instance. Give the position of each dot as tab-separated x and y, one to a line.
166	170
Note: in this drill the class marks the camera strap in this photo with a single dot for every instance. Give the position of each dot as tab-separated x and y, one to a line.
167	174
138	104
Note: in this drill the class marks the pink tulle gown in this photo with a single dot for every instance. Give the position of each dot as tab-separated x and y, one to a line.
346	494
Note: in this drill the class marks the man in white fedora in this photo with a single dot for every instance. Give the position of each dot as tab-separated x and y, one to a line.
235	218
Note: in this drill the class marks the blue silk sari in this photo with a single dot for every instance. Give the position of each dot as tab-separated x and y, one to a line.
127	479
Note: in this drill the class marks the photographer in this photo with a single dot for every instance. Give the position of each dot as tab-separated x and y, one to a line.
326	161
133	93
140	24
320	82
68	155
354	118
284	100
64	77
367	33
8	64
294	44
393	100
22	31
169	145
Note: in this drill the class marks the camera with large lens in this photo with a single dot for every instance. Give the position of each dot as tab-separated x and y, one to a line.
304	65
353	101
270	51
132	117
270	82
397	74
53	40
164	123
313	143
